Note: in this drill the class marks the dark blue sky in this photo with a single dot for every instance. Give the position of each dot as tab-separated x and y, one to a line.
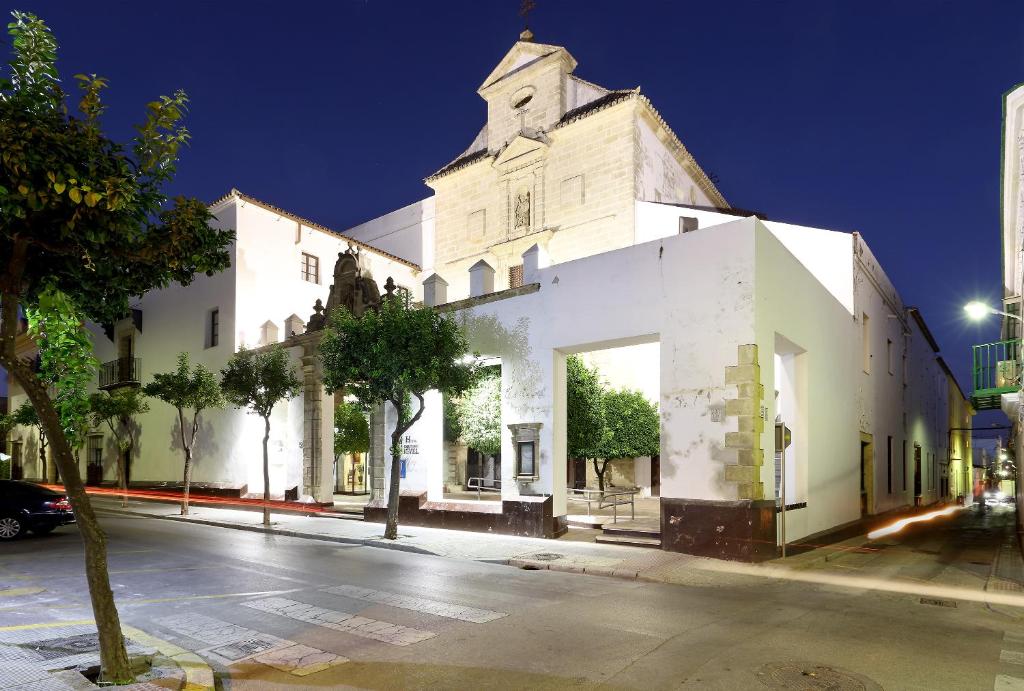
880	117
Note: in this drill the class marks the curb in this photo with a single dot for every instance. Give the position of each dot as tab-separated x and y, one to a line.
198	675
360	542
624	574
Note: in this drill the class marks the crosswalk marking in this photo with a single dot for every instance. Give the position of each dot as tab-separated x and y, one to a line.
418	604
232	644
341	621
1011	656
1007	683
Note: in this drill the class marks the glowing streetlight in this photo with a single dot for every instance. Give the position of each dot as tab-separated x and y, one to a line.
976	311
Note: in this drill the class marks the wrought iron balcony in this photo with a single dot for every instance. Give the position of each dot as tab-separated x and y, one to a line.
995	370
124	371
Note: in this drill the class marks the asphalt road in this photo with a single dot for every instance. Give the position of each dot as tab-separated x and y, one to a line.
429	622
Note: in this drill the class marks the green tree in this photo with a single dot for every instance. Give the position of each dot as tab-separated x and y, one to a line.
479	415
259	380
117	410
585	420
25	416
632	428
391	355
351	431
66	363
190	391
86	218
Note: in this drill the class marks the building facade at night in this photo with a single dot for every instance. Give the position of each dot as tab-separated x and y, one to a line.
577	222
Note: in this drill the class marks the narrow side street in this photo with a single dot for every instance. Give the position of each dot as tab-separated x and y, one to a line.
270	611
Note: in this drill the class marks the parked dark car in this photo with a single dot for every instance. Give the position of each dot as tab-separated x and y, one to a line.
25	506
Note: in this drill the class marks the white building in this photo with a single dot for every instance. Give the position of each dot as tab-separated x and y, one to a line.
577	222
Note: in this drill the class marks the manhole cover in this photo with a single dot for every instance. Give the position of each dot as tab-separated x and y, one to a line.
545	556
808	677
242	649
55	648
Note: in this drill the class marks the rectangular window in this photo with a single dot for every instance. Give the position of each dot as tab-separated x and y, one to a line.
572	191
1010	325
310	269
525	459
888	465
687	224
515	276
866	342
904	465
889	356
213	328
96	450
477	223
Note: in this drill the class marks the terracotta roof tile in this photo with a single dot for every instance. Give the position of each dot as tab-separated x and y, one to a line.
312	224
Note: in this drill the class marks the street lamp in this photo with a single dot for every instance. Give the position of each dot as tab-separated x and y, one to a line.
976	311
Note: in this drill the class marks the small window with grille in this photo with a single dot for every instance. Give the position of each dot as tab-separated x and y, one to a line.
310	269
515	276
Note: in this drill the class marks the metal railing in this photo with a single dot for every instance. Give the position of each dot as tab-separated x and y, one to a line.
477	483
995	370
604	499
120	372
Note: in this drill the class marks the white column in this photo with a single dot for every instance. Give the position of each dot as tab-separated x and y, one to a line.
534	259
555	436
481	279
435	291
325	479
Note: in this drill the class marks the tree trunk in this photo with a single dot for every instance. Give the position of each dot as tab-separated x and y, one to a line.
266	474
600	470
391	528
187	479
114	663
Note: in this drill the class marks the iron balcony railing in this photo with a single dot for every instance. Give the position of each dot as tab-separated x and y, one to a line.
124	371
995	370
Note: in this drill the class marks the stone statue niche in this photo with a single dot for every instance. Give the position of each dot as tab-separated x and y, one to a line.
350	289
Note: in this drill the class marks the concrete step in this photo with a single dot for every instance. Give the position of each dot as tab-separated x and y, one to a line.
629	540
632	529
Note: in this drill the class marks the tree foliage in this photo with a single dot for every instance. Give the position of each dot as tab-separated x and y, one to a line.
585	427
116	409
391	355
479	415
258	380
632	423
192	391
66	361
351	431
85	216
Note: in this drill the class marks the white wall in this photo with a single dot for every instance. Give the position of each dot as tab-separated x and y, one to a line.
407	233
660	177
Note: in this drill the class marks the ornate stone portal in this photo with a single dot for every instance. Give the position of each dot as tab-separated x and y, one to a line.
351	290
356	293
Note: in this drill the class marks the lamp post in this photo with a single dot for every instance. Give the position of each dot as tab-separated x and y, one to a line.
977	311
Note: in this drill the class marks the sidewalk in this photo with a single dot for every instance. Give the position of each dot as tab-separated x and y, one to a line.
854	563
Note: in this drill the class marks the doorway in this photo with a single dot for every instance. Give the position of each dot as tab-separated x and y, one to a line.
656	475
867	475
917	474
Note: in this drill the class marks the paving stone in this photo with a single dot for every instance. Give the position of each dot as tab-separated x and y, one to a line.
355	625
417	604
204	629
300	660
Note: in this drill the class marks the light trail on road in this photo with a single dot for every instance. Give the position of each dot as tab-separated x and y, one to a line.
904	522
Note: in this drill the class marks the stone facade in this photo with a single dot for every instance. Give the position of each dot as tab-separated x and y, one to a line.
746	408
559	164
